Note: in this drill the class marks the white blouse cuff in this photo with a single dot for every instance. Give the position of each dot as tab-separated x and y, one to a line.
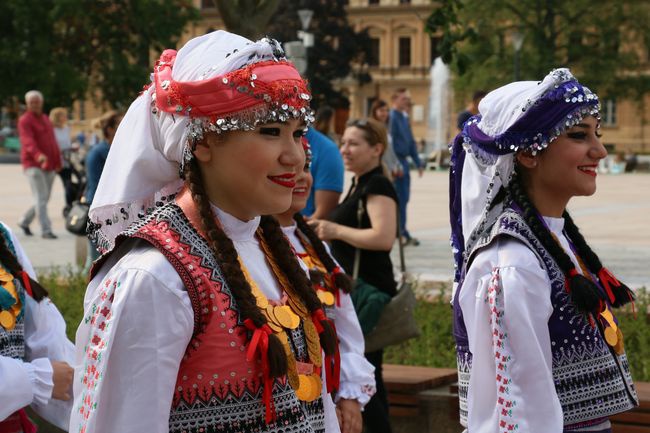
40	376
355	391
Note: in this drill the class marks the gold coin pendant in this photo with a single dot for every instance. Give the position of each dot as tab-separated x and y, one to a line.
7	320
610	336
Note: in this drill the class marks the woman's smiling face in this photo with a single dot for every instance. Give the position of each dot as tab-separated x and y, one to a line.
567	167
251	173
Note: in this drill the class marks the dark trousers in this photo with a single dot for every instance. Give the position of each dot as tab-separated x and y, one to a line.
66	177
375	414
403	189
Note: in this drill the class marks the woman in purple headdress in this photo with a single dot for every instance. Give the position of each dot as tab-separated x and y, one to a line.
539	348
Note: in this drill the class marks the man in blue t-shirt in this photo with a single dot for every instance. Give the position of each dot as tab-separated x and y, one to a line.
327	171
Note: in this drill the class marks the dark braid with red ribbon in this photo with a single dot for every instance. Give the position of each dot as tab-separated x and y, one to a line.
617	292
288	263
7	258
585	295
341	279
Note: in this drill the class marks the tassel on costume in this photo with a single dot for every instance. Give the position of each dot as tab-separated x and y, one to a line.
618	293
584	294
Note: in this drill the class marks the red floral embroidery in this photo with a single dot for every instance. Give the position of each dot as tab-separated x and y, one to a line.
99	318
501	357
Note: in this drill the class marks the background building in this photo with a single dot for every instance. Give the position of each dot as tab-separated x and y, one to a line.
401	56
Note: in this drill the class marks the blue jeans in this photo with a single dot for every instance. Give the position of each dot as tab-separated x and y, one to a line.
403	188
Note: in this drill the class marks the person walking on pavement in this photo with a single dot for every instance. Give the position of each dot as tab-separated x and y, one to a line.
59	119
41	160
404	146
380	111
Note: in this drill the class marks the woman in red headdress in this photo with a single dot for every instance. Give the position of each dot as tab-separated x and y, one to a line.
198	317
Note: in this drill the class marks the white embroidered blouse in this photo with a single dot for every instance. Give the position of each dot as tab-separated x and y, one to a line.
152	324
506	304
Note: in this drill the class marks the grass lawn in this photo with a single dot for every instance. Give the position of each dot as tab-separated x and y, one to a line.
434	348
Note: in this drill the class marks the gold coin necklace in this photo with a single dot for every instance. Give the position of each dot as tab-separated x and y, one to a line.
312	261
284	316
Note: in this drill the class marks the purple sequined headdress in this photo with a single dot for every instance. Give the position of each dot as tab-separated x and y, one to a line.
524	115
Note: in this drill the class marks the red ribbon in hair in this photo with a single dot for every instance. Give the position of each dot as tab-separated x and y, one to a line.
255	85
260	343
26	283
607	279
332	362
572	273
337	270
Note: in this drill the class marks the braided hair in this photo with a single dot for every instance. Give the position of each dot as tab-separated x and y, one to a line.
224	250
286	259
620	293
9	260
585	295
341	280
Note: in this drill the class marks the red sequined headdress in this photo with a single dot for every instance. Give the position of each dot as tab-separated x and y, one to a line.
262	92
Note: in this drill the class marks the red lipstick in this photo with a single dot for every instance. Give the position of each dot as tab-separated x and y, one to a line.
286	179
589	169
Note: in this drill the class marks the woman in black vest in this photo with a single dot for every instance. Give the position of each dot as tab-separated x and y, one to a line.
362	146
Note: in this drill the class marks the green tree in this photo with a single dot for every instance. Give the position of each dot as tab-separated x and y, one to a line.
67	48
337	46
248	18
603	42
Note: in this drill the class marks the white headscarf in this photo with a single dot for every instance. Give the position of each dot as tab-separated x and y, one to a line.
142	168
520	115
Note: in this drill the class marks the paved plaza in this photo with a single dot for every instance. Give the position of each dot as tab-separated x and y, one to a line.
616	221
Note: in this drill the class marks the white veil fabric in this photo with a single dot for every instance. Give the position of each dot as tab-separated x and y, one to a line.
142	168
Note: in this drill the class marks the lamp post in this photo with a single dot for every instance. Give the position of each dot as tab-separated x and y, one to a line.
305	16
517	42
297	50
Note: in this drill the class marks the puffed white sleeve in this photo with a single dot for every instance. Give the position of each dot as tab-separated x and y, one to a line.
506	312
357	374
22	382
137	324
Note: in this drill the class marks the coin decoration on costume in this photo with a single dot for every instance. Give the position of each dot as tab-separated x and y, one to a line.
311	260
286	315
10	304
611	332
619	348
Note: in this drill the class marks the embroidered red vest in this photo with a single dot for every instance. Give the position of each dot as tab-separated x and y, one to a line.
217	389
